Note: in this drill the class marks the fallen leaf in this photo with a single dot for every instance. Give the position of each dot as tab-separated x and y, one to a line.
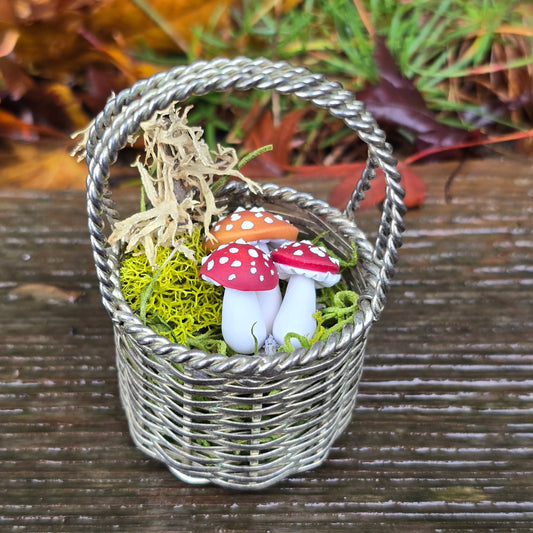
15	81
14	128
259	132
130	20
45	293
485	141
395	100
50	40
70	105
100	81
38	109
50	47
276	163
122	69
28	11
41	166
415	189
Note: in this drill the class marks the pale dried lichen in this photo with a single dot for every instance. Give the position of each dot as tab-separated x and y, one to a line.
177	173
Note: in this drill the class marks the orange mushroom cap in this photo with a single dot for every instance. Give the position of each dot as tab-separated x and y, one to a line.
251	225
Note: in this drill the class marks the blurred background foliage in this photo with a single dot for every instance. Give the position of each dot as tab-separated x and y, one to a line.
436	73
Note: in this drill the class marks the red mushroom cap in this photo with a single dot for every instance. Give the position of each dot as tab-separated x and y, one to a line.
239	266
306	259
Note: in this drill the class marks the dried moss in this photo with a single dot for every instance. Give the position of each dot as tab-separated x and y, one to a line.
177	173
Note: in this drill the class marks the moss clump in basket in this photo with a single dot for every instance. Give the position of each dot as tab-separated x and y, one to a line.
336	307
178	305
171	299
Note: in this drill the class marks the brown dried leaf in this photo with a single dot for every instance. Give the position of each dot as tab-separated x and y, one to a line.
41	292
41	166
52	34
261	131
28	11
41	108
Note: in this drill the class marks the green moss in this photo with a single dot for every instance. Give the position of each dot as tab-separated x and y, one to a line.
171	299
339	308
175	303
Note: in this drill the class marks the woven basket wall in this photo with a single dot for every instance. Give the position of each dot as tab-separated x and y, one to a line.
244	421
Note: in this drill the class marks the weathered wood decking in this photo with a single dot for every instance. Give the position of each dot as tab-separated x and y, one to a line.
442	436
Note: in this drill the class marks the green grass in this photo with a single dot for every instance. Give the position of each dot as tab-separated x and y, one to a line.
434	42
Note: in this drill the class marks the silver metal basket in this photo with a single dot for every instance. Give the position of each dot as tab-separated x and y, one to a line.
244	421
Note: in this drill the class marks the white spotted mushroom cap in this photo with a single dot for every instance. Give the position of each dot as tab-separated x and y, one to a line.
251	225
239	266
306	259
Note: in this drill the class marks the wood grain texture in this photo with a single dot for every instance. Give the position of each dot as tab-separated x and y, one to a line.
442	436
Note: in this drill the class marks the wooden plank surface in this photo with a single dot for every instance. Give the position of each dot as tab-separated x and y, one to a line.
442	435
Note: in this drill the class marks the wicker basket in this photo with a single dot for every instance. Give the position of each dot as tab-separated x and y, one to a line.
243	421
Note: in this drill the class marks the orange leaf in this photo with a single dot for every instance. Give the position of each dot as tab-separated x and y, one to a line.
16	82
16	129
8	40
276	163
128	19
50	41
340	195
41	166
45	293
263	132
415	188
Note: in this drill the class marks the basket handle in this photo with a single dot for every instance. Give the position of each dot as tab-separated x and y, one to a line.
124	113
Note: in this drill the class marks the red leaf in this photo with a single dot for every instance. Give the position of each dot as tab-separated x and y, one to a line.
395	100
263	132
14	128
415	189
276	163
343	191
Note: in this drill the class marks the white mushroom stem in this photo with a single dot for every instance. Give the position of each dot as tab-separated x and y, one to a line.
243	325
296	311
270	302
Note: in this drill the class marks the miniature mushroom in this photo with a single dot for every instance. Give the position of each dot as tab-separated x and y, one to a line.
245	272
261	229
306	266
255	226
